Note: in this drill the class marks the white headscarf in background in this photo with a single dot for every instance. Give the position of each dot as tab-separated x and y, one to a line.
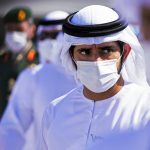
134	16
134	67
49	49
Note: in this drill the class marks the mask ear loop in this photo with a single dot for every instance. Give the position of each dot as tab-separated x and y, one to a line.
74	62
125	53
121	57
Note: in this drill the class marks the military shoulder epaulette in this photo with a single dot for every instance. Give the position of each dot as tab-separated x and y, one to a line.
31	55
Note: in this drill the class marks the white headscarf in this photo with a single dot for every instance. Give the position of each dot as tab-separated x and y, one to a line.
134	66
50	48
55	15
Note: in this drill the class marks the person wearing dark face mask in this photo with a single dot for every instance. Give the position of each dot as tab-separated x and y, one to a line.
36	87
19	51
110	110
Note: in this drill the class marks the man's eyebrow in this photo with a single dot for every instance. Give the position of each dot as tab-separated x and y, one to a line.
85	48
107	47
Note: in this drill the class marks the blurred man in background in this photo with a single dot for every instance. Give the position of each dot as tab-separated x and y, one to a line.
144	15
18	52
139	18
131	15
144	10
36	87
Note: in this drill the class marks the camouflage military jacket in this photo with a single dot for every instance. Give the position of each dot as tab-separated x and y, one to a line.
11	64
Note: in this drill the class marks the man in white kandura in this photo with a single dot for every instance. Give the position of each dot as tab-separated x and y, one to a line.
111	110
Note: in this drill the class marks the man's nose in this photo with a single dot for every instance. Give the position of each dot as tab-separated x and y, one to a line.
95	55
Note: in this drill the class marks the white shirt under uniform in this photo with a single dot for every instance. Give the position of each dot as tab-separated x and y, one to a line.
122	122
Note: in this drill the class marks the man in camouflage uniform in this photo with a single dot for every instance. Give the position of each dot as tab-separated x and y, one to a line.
19	51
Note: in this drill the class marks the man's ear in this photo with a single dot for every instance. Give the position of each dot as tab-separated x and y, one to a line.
127	49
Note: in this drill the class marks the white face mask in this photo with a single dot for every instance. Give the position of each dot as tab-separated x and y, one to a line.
49	49
97	76
16	41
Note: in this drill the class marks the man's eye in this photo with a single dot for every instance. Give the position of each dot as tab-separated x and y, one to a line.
84	51
106	51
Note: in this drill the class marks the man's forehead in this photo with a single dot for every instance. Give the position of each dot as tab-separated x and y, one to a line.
114	43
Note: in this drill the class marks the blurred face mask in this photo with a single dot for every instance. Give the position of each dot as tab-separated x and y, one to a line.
97	76
49	49
16	41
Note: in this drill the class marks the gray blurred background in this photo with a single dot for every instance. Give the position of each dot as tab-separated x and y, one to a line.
41	7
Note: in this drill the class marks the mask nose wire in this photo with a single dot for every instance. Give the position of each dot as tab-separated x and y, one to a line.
121	54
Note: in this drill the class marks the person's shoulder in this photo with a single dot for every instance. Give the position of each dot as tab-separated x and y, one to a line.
133	87
36	68
56	105
24	75
27	70
141	93
30	54
67	98
146	92
135	100
64	98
